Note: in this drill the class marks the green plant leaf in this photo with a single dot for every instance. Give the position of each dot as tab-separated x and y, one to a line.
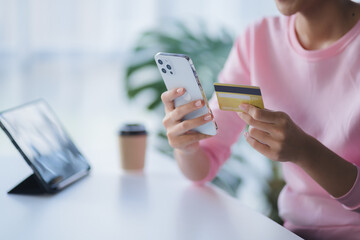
158	85
230	186
138	67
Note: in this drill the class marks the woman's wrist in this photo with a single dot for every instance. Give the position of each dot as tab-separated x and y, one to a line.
190	150
308	152
329	170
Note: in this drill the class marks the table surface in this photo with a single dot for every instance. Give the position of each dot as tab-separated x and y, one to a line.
158	203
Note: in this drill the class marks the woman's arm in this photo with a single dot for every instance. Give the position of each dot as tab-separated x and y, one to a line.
277	137
194	164
333	173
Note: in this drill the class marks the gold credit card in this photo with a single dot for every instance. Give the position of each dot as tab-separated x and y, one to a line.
230	96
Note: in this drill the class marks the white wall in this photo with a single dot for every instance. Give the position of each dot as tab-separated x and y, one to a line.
72	52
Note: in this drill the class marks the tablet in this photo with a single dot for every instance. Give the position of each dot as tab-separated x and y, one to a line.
42	141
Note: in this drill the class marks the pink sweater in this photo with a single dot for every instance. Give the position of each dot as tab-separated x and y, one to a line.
320	91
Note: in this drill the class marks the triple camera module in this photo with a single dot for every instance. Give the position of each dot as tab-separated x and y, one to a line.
167	66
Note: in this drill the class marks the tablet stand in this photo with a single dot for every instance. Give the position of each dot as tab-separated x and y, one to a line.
29	186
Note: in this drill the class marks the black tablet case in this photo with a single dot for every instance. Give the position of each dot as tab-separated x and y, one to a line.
32	184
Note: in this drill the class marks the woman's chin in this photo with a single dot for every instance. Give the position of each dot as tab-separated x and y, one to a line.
289	7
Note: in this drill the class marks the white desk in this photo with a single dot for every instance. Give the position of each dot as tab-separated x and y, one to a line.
109	204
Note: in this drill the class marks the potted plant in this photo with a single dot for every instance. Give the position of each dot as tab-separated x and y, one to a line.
209	53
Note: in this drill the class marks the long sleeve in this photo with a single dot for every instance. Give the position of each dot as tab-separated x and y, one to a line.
351	200
235	71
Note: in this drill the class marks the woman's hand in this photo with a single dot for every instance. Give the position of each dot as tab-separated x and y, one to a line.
274	134
277	137
178	131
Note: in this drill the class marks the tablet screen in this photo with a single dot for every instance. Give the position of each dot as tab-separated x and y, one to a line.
36	132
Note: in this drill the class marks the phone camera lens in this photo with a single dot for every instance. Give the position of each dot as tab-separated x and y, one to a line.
168	67
163	70
160	62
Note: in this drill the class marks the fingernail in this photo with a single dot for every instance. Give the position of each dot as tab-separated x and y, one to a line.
246	134
179	90
207	117
198	103
243	107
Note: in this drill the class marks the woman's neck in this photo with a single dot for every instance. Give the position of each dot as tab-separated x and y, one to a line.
321	25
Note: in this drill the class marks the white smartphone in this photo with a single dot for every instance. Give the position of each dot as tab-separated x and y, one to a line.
178	71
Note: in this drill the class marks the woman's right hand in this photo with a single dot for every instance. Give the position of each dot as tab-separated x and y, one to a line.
178	130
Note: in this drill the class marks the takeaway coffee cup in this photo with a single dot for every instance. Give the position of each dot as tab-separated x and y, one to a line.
132	145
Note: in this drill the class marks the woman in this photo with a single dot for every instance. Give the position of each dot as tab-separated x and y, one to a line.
307	66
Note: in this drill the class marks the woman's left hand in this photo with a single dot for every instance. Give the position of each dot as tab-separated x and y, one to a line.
275	135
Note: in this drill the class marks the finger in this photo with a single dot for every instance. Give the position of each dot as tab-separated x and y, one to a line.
263	115
261	136
267	127
187	139
187	125
169	96
258	146
179	113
